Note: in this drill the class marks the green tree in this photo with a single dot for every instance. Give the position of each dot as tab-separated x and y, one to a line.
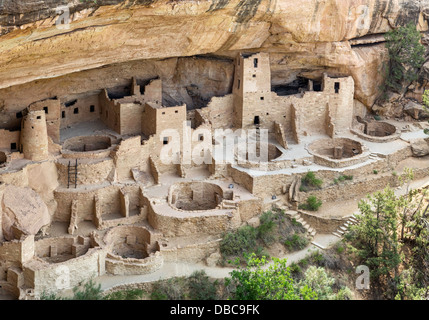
375	240
425	99
274	282
406	55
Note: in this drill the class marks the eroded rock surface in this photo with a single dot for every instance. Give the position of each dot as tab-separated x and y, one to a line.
23	210
304	37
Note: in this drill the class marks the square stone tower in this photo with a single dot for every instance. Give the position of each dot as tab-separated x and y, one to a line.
252	88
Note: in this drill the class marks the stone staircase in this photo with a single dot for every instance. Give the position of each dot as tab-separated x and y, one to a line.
295	215
228	204
343	228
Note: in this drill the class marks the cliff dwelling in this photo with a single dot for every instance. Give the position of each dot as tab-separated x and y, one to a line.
85	184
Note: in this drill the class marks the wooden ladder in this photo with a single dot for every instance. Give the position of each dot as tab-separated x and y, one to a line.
72	175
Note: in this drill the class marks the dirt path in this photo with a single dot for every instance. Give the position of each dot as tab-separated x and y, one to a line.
171	270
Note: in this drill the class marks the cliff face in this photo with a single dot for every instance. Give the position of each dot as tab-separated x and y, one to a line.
304	38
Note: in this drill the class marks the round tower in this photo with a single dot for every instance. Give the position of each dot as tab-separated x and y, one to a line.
34	136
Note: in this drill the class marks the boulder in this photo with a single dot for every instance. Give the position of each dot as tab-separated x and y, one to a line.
213	259
416	110
254	222
24	212
420	147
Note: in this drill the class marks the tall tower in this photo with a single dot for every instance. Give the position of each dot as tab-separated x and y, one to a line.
34	136
252	88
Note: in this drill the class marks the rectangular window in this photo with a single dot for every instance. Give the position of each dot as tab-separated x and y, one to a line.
76	110
63	114
46	109
238	86
337	87
19	115
91	108
13	146
255	62
177	111
201	137
262	98
165	140
39	117
163	112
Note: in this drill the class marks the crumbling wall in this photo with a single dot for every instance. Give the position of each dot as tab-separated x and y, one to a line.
219	112
127	156
109	112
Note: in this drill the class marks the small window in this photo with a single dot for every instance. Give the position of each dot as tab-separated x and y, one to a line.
165	140
262	98
177	111
92	108
201	137
337	87
163	112
268	114
256	120
76	110
13	146
63	114
46	109
238	86
19	115
39	117
254	75
255	62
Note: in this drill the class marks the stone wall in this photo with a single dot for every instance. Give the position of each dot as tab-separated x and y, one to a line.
80	109
51	107
9	139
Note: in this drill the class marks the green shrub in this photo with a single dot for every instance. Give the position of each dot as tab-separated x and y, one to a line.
317	257
312	204
296	242
172	289
266	228
340	249
303	262
241	241
296	223
310	180
200	286
295	268
90	291
131	294
375	171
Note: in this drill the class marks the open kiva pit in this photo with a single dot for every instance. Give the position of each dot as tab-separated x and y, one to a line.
376	131
337	152
87	143
131	250
194	196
